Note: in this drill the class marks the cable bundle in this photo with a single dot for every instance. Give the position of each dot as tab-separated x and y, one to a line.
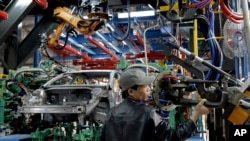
199	4
232	16
216	52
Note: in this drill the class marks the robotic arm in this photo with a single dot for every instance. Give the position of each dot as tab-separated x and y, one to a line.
168	86
173	89
87	26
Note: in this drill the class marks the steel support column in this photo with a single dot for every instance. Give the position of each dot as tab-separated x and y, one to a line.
31	42
17	11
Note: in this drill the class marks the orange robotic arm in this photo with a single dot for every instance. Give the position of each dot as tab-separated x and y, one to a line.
85	26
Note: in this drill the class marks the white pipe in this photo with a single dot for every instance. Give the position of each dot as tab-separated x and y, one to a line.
145	45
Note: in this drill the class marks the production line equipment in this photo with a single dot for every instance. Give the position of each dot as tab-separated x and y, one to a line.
227	93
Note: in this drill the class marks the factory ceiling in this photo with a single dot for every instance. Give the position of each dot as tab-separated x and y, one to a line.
84	31
109	40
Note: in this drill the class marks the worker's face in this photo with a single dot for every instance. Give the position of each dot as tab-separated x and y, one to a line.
140	94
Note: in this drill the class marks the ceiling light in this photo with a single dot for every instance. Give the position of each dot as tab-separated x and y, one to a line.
137	14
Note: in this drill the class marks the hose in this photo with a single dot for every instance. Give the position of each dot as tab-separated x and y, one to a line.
217	56
200	4
208	32
125	36
232	16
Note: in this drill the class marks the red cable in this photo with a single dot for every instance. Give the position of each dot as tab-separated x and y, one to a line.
205	3
229	14
195	4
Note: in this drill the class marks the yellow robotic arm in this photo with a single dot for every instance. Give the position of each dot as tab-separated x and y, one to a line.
85	26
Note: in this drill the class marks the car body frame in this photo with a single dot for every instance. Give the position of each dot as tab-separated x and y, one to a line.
84	93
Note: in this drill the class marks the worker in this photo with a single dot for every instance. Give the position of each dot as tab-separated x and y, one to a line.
134	120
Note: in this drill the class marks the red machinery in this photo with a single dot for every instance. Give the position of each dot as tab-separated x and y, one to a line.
3	15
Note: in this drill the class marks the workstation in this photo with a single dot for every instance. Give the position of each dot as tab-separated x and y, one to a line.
61	61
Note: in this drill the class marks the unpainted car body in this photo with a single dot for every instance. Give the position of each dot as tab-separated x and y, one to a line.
73	96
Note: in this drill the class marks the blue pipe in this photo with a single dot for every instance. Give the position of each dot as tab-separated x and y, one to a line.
245	65
120	33
103	38
236	67
36	56
76	44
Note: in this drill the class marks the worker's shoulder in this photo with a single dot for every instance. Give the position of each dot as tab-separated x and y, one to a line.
129	105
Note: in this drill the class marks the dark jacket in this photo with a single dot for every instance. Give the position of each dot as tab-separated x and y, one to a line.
136	121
